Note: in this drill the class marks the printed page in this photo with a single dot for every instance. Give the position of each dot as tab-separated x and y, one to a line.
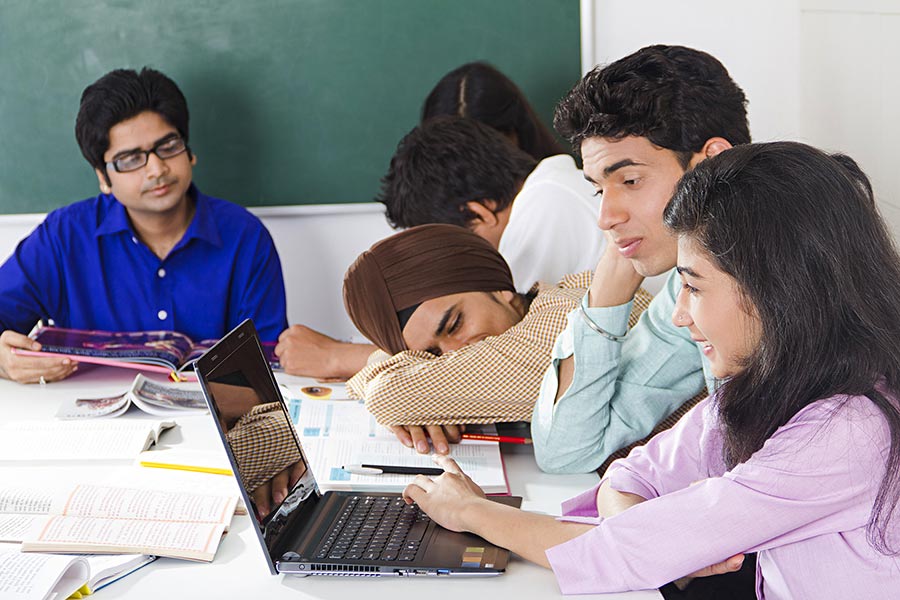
167	399
13	528
197	541
327	419
334	434
79	440
93	408
39	576
25	500
324	419
481	461
190	482
20	508
145	504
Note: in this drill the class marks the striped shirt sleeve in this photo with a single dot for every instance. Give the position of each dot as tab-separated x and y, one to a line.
496	379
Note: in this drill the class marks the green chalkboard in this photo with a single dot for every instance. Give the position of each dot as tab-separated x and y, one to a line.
292	102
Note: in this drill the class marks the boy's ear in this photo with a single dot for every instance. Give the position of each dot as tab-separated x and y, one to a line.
101	180
483	211
713	146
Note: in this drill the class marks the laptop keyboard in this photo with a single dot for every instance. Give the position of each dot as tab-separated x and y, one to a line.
375	528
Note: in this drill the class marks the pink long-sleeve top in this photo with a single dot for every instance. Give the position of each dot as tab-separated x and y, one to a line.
802	502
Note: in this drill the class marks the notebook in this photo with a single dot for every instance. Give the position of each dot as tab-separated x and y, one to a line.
311	533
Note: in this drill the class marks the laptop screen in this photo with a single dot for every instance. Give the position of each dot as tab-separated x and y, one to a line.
276	481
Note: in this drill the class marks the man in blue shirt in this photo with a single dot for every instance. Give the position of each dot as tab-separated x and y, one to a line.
150	252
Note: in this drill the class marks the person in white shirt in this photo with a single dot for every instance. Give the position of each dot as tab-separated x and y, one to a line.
551	230
541	216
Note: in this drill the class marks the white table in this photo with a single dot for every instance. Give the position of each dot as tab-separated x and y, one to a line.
239	569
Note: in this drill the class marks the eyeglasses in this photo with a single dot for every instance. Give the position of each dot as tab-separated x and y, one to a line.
164	149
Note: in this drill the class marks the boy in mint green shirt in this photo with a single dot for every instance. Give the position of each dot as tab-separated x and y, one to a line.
639	124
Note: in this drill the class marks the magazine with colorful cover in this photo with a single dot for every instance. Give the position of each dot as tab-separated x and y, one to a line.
167	352
153	397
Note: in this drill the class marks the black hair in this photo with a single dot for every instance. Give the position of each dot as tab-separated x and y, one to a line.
120	95
479	91
800	233
676	97
446	162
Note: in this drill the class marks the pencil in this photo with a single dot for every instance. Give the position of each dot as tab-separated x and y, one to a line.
506	439
196	469
391	470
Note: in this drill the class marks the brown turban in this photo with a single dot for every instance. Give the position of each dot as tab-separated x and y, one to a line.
410	267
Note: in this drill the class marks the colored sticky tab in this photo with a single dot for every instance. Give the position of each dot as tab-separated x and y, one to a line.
316	392
80	592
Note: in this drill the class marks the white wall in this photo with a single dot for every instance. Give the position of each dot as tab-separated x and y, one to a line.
316	245
850	87
818	71
756	41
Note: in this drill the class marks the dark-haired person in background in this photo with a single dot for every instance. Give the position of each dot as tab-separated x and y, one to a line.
540	216
150	252
479	91
639	123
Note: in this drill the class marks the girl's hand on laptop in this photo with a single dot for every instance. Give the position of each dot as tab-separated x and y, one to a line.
446	498
413	436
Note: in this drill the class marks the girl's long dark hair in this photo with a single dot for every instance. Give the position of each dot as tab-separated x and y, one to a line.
479	91
799	231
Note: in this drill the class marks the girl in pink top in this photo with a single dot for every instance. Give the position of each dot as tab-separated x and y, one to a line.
791	285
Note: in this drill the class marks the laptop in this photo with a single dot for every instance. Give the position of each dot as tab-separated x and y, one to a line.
311	533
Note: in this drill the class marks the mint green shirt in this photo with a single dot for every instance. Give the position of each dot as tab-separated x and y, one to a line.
619	390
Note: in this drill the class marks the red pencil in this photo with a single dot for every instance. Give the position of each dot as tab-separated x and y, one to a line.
496	438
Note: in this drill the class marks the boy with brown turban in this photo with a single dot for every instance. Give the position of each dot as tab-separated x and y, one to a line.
464	346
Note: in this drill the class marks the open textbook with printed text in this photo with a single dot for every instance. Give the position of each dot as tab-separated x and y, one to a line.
340	433
103	519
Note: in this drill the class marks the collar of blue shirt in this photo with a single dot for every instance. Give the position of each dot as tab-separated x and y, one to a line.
202	227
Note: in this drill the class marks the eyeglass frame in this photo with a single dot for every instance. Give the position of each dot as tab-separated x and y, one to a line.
166	140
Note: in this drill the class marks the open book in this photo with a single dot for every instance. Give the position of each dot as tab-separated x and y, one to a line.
100	519
31	441
153	397
52	576
340	433
167	352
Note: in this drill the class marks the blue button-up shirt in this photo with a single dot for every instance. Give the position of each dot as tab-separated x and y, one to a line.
85	268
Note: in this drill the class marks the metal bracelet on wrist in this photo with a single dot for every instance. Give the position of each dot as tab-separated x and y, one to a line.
590	323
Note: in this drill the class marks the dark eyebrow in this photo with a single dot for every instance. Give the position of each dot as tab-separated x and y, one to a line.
625	162
688	271
440	330
161	140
